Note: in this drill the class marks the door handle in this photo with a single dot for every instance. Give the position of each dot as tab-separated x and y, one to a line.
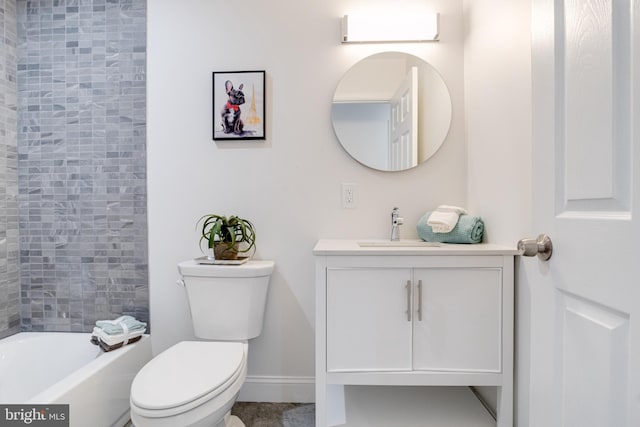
541	246
420	300
408	287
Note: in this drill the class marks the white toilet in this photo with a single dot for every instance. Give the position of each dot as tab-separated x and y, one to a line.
195	383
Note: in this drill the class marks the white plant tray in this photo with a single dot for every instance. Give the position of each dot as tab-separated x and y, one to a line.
206	260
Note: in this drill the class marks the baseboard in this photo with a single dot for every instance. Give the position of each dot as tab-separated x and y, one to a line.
278	389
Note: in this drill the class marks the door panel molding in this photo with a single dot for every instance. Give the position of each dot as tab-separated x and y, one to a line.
593	78
593	370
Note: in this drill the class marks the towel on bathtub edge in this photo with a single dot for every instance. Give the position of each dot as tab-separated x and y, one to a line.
122	324
115	339
106	347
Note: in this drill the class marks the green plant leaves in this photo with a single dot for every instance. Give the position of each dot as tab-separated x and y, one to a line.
232	230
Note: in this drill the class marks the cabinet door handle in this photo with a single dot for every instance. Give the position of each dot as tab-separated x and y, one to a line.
420	300
409	310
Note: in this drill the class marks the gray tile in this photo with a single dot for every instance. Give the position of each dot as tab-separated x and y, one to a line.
10	292
264	414
83	253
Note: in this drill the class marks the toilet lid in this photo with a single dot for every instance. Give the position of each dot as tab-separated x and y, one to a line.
186	372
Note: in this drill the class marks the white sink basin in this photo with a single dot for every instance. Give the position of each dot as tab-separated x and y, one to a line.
399	243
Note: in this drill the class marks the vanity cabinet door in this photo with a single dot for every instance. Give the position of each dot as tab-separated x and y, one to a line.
368	327
460	329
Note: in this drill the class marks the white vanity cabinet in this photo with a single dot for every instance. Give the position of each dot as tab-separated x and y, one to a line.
419	316
393	319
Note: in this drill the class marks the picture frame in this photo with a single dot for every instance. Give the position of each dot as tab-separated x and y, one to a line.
239	105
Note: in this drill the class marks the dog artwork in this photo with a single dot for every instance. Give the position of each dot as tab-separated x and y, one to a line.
230	114
238	112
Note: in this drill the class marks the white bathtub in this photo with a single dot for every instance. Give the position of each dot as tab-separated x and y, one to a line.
60	367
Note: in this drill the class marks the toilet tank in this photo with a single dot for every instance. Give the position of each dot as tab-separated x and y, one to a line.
227	302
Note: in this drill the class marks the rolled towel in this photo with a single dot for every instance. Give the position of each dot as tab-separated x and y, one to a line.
468	229
445	218
120	325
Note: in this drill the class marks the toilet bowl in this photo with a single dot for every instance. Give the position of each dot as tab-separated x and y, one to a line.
195	383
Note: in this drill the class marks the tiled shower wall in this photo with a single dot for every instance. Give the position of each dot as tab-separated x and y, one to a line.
82	162
9	259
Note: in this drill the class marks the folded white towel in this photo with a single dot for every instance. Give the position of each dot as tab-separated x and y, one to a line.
120	325
120	330
111	339
445	218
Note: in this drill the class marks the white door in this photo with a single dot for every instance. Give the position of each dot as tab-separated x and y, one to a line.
403	141
584	302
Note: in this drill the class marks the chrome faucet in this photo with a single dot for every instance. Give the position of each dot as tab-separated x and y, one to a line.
396	222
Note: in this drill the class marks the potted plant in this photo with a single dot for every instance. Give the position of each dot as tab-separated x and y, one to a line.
227	236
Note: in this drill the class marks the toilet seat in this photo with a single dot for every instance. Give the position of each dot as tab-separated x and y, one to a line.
186	376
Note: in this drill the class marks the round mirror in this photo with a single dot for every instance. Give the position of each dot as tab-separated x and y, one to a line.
391	111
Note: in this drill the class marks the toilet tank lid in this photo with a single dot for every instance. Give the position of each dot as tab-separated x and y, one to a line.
251	268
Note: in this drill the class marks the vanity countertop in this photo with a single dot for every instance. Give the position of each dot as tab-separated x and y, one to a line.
373	247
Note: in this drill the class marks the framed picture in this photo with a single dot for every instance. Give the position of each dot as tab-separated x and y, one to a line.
238	105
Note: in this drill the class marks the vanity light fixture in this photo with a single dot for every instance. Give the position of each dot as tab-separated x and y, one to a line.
390	28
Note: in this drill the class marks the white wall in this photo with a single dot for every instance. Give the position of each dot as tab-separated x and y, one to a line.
497	64
498	115
288	185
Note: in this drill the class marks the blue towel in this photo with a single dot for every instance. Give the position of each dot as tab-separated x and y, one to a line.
114	327
469	229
